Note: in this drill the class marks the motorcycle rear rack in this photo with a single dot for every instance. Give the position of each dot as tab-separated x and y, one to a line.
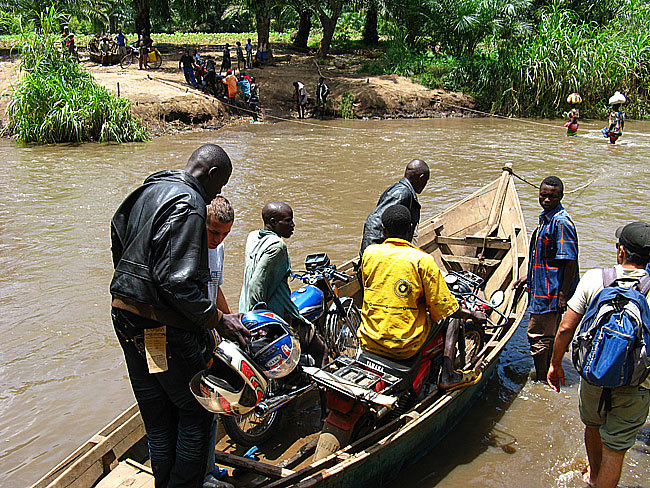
351	377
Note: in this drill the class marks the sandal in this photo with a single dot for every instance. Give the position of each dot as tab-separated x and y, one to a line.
468	378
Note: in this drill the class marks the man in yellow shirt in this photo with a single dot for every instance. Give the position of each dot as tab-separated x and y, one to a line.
401	284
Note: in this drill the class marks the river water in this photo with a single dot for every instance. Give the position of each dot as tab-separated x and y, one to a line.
62	375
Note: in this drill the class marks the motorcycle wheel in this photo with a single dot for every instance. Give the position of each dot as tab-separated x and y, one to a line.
341	333
251	429
330	440
474	342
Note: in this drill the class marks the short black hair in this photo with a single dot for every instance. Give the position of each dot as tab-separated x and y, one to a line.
553	181
396	220
634	258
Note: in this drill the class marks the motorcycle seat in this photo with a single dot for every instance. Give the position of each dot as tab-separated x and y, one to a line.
405	369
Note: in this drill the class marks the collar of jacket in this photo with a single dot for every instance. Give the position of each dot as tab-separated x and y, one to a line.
177	175
396	241
404	181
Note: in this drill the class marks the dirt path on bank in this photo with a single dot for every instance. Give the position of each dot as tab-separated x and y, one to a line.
167	104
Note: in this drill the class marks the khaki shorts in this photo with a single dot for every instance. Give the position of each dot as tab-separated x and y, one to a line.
619	426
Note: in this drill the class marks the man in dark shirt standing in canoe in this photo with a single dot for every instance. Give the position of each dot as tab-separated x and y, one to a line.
161	309
404	192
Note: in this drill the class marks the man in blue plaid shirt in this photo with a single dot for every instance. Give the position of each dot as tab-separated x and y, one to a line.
552	273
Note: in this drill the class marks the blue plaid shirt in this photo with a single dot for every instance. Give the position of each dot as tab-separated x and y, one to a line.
554	240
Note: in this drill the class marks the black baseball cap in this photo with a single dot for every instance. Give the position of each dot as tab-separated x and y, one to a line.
635	237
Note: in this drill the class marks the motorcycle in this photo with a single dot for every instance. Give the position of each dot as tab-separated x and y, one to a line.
337	322
335	318
366	390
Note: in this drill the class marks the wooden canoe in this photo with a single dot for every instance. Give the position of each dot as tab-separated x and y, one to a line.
484	233
108	59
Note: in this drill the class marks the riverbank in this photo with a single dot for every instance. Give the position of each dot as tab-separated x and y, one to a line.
167	105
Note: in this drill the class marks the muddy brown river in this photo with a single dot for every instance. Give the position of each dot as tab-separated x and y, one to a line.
62	375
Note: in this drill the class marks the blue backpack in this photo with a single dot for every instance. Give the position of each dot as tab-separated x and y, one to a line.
612	348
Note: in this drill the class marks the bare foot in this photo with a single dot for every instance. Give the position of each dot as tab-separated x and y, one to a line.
586	476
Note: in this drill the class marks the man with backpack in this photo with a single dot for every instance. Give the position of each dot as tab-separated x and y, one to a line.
611	352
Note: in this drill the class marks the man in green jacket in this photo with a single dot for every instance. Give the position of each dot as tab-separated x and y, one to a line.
266	269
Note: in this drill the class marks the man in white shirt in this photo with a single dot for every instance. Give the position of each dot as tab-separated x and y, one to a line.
219	220
608	434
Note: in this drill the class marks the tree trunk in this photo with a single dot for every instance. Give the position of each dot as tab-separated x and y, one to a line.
263	24
142	17
370	35
303	29
328	23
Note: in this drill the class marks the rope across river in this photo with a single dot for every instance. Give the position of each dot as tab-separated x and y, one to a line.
575	190
312	124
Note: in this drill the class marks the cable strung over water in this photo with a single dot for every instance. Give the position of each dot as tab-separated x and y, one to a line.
312	124
581	187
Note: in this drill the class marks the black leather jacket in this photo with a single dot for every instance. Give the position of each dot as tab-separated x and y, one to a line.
401	193
160	252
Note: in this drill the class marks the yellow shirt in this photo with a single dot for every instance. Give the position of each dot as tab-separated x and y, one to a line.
400	283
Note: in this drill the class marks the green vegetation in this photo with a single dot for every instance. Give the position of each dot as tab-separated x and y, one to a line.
520	58
55	100
516	57
347	105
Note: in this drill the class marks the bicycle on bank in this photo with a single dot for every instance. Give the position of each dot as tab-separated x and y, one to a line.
154	58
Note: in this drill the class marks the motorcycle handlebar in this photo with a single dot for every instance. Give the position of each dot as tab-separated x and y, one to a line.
327	273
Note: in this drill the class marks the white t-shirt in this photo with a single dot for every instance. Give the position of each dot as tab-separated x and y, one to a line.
592	282
215	263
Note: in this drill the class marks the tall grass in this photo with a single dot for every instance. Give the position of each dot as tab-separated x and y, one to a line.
532	75
56	100
568	56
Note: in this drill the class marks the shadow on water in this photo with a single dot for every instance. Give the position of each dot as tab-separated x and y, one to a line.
477	431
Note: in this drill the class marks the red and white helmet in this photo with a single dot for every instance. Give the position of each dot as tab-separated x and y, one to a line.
232	385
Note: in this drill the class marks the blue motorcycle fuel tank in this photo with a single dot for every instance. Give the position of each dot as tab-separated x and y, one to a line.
309	301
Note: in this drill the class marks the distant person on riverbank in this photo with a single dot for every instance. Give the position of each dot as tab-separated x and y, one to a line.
261	54
231	82
572	124
616	118
211	76
552	272
161	311
241	61
121	41
249	54
144	46
187	64
300	96
322	92
404	192
612	430
244	85
225	60
266	270
254	101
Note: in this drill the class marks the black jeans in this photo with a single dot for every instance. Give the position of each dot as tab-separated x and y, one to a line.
177	426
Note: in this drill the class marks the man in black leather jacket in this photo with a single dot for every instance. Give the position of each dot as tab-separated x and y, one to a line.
161	310
404	192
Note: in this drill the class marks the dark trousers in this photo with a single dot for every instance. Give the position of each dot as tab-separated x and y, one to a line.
177	426
188	71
